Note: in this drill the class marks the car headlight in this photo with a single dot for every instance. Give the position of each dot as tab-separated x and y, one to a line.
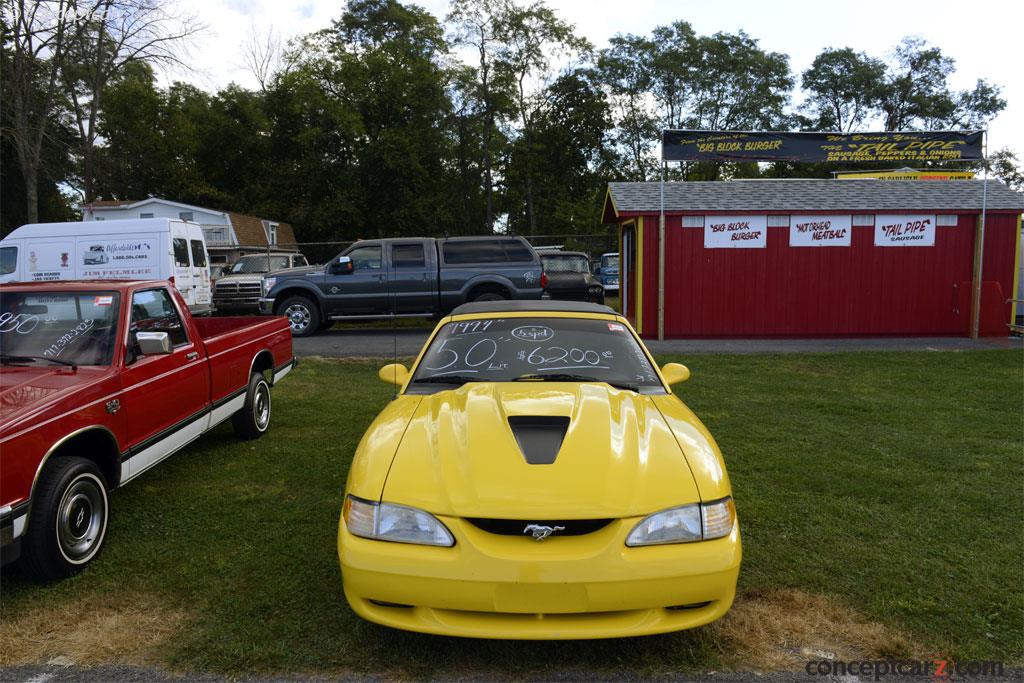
685	524
268	284
399	523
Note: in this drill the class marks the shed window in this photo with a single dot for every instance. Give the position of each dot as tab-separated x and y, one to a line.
863	219
693	221
186	215
145	215
946	219
778	221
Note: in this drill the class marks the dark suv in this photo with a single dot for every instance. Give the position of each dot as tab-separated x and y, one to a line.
568	276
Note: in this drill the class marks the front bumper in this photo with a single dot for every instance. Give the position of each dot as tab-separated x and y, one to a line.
511	587
266	306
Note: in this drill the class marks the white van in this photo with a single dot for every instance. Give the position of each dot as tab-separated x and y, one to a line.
136	249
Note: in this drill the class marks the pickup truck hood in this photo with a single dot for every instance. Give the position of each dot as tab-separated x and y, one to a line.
27	391
460	455
296	272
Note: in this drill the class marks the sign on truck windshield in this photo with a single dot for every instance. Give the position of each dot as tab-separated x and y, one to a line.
73	327
558	349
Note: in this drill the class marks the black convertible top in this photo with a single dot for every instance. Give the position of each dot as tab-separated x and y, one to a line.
527	306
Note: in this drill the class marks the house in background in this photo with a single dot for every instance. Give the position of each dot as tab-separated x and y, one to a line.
229	235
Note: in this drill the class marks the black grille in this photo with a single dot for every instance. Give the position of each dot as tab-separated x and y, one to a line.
516	527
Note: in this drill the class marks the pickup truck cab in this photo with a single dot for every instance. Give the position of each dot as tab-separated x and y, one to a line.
414	277
100	380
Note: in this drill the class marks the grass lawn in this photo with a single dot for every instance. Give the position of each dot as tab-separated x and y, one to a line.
891	483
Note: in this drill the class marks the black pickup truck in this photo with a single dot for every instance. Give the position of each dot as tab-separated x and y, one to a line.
415	277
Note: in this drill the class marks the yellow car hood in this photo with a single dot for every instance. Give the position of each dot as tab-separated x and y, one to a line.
460	457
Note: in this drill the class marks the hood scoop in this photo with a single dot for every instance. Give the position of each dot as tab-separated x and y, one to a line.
539	436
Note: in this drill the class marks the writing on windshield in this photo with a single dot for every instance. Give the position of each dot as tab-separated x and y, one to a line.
78	327
506	349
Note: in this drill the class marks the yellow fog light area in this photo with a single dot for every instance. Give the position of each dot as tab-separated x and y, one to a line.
398	523
685	524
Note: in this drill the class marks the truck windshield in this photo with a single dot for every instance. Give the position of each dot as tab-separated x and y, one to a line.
76	327
258	264
610	261
535	349
565	264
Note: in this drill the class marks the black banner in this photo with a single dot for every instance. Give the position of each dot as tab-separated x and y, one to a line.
901	146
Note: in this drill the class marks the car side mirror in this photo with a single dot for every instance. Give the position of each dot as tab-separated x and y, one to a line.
674	373
153	343
394	373
341	266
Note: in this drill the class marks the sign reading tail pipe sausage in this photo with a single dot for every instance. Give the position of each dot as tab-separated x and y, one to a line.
894	146
904	231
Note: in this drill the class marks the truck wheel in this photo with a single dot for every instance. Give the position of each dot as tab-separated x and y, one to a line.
68	520
303	314
490	295
253	420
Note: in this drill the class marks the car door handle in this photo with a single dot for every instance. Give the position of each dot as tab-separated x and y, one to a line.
191	355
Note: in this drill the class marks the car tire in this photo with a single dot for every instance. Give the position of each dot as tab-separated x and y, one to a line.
68	521
490	295
303	315
253	420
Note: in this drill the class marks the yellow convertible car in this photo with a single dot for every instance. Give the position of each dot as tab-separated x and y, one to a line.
536	478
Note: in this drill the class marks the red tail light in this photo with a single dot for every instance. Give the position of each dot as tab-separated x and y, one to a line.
544	280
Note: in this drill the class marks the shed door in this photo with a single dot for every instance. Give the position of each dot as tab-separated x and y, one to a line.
627	269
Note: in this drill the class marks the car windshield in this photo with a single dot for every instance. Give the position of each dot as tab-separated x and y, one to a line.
65	327
565	264
535	349
258	264
610	261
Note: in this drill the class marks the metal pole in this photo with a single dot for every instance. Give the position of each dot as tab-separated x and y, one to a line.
980	259
661	253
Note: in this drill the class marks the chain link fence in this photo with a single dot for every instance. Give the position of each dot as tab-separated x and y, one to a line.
318	253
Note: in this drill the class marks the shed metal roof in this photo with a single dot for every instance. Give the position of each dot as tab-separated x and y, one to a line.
777	194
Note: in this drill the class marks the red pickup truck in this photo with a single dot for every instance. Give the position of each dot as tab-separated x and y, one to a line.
101	380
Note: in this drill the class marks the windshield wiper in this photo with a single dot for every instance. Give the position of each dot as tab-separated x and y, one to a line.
562	377
25	359
447	379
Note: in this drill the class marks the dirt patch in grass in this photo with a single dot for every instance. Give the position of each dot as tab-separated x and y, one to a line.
89	631
777	630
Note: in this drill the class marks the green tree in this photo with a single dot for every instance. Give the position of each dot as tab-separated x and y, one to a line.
844	89
483	92
570	154
532	38
626	70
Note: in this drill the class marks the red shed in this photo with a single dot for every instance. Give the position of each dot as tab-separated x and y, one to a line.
816	258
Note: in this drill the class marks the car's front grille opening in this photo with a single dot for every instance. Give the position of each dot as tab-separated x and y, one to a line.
384	603
692	605
518	527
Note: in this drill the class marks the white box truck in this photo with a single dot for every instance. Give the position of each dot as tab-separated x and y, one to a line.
137	249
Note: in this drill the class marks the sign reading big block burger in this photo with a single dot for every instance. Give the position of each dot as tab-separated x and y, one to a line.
820	231
735	232
904	231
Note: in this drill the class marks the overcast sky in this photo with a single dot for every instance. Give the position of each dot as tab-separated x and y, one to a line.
983	38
